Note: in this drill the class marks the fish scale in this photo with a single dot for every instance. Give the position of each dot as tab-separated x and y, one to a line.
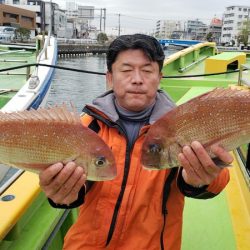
221	117
36	139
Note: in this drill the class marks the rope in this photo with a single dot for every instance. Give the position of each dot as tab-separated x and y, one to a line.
101	73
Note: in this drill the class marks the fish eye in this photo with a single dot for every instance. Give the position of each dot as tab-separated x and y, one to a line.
154	148
100	161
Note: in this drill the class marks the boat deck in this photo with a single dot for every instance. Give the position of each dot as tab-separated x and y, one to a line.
13	80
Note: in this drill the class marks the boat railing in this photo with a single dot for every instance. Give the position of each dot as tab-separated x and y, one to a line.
34	79
242	81
45	47
12	51
192	64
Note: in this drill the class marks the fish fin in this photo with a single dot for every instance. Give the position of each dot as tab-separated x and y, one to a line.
33	167
55	113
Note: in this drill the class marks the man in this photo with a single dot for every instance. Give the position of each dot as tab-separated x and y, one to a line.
139	209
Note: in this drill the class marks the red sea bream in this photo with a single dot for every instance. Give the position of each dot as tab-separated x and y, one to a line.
35	139
221	116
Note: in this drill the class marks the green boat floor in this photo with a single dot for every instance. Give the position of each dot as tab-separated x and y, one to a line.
207	225
195	91
14	79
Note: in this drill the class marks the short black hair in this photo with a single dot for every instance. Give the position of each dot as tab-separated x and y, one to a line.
148	44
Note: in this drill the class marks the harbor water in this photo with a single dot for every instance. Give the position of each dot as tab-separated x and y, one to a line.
76	87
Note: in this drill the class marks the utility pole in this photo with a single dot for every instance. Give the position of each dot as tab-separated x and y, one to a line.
42	17
101	20
119	24
104	19
52	24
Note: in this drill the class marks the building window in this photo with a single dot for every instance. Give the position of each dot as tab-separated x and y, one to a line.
16	2
9	15
26	19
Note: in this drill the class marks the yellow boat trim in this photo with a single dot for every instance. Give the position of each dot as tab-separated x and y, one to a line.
238	195
188	50
25	189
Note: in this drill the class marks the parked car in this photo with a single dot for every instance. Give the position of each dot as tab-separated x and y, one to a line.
7	33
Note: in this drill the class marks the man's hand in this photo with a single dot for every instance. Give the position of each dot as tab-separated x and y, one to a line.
61	183
198	167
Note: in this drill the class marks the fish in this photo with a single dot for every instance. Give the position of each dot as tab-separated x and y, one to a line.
219	117
35	139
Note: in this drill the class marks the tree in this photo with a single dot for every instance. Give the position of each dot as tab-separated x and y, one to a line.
22	33
244	33
102	38
209	37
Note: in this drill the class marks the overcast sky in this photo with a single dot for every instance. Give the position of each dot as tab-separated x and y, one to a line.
141	15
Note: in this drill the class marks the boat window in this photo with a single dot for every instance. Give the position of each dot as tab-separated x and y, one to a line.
233	65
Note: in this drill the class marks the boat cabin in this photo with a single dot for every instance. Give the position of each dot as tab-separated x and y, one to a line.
224	62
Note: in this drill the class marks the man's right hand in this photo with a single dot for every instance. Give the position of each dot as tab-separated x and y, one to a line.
62	183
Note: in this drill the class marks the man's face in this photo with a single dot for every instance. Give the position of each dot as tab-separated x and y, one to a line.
134	79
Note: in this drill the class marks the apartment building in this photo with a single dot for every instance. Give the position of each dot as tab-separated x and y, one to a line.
165	28
215	30
195	29
48	15
81	17
13	1
233	21
17	17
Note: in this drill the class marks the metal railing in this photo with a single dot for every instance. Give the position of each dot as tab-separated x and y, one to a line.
34	79
181	70
242	81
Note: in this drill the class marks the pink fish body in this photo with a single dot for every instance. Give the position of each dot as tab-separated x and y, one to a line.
221	117
36	139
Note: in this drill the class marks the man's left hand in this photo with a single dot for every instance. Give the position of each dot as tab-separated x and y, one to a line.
198	167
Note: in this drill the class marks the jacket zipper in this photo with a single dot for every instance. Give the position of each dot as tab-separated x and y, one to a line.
126	170
165	196
120	197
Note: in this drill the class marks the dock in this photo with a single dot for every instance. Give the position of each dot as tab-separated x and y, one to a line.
71	50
